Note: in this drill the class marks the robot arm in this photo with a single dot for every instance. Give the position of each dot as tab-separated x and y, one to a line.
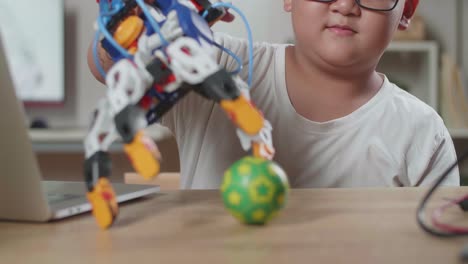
162	67
193	65
117	115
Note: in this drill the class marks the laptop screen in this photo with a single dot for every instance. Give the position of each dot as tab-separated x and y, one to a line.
33	37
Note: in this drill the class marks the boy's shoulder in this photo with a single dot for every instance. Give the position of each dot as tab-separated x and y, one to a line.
240	46
412	110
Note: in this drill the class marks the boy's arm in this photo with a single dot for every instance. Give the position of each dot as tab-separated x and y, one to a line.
104	59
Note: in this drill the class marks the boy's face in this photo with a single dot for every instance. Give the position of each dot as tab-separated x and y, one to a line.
340	33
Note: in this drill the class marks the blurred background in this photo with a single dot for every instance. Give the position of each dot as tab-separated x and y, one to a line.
54	43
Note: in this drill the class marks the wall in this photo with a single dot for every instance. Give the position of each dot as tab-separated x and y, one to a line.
274	27
464	45
441	20
82	90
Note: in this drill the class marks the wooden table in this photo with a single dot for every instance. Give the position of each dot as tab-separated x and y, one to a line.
167	181
317	226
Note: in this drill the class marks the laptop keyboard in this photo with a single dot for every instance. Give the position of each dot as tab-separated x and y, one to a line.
58	198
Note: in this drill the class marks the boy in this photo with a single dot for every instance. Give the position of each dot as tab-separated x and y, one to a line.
336	121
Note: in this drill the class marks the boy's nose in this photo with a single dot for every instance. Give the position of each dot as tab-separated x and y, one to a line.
345	7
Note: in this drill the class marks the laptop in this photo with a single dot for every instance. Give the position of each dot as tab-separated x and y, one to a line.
23	194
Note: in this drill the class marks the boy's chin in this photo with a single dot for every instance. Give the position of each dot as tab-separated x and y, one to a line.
340	58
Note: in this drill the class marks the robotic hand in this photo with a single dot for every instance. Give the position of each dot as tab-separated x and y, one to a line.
162	50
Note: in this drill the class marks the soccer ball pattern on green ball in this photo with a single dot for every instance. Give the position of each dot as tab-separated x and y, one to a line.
254	190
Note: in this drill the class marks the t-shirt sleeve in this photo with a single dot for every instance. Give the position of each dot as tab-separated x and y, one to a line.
432	157
262	57
239	47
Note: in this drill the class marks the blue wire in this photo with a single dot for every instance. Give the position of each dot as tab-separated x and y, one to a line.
97	62
151	20
110	13
234	56
249	33
156	27
238	60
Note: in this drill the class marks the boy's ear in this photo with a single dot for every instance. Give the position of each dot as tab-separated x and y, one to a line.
287	5
408	12
404	23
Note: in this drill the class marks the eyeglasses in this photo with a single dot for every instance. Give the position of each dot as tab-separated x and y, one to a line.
375	5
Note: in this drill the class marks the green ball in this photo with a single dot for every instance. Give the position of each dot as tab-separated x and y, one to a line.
254	190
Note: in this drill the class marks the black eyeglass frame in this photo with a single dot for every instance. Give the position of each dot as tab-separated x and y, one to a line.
358	2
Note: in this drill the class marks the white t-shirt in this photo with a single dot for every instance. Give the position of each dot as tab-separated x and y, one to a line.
393	140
